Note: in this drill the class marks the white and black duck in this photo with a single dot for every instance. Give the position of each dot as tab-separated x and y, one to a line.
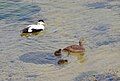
34	28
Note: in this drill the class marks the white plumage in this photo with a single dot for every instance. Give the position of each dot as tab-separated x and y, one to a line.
34	28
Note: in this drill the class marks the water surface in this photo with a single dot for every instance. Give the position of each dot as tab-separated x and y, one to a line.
30	57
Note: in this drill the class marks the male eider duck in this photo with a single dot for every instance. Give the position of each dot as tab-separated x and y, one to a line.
75	48
34	28
57	52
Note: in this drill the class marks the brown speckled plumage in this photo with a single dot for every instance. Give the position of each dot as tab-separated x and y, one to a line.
57	53
75	48
62	61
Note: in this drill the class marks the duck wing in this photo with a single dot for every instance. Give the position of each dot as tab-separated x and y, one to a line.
74	48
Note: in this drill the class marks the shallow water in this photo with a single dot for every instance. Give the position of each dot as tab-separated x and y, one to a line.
29	57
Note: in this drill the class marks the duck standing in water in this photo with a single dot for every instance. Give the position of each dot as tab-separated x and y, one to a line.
75	48
34	28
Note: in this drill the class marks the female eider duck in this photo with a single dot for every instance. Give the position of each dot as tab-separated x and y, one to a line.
75	48
34	28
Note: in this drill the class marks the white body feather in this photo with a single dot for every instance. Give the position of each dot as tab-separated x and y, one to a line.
35	27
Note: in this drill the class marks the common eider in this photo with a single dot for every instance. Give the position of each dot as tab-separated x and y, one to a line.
34	28
62	61
75	48
57	52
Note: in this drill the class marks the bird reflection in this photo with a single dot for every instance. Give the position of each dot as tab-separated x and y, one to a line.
30	34
80	56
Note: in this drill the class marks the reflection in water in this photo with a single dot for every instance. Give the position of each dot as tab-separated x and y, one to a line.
31	34
80	56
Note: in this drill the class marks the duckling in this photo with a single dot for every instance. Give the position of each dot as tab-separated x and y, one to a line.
34	28
58	53
75	48
62	61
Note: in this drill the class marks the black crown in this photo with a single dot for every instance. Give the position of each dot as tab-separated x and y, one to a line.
40	20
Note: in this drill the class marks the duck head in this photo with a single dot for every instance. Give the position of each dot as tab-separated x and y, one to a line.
81	41
41	22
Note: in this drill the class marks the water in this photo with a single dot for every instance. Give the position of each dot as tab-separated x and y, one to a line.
29	57
92	76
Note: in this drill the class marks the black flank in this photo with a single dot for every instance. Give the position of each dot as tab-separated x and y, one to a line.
37	30
25	30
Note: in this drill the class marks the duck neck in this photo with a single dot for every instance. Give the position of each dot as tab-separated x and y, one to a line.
80	43
39	23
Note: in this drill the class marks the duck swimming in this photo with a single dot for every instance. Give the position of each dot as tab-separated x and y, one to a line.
62	61
34	28
75	48
58	52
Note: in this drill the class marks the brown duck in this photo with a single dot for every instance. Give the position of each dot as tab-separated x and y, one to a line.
58	53
62	61
75	48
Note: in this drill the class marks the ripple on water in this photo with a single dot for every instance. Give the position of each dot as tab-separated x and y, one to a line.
97	5
17	11
100	35
15	0
106	5
100	29
94	76
107	41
